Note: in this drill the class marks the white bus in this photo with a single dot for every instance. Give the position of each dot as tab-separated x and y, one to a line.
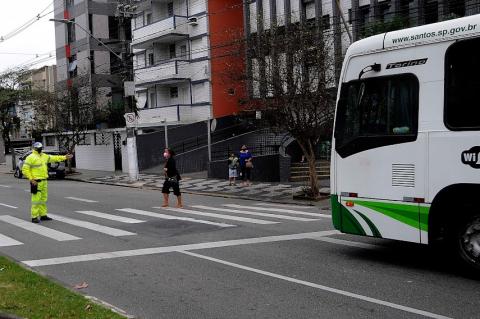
406	146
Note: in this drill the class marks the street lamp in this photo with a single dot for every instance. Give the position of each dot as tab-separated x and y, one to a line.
66	21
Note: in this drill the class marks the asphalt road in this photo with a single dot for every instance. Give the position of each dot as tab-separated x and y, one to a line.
252	260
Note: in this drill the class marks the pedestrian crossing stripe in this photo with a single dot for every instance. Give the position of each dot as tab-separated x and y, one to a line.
279	210
221	216
117	218
284	206
7	241
236	211
38	229
170	217
9	206
92	226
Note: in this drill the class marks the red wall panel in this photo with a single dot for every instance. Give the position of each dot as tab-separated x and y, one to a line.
226	29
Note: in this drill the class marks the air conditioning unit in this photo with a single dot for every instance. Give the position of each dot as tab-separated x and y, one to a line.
193	21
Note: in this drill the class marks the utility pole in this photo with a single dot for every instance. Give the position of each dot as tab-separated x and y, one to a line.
125	12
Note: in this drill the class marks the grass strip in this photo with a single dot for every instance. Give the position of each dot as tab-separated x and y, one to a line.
26	294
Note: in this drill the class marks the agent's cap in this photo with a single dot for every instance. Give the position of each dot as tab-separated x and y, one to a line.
37	145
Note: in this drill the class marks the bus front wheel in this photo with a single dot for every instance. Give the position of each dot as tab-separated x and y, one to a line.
468	242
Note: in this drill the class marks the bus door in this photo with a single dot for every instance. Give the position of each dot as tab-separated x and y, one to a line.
379	156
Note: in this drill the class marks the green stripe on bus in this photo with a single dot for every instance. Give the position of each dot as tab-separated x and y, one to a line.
372	226
407	214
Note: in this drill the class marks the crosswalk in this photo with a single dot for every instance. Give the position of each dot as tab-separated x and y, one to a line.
220	215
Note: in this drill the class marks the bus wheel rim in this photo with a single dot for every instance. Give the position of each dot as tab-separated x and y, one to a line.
470	241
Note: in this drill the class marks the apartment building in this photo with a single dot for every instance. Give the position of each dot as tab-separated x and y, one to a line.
82	62
182	48
42	79
345	21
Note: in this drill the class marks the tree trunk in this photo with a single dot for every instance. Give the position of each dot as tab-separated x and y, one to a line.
309	153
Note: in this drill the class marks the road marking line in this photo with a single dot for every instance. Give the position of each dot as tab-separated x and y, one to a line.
5	186
163	216
7	241
254	213
347	243
111	217
278	210
320	287
82	200
160	250
221	216
38	229
285	206
92	226
9	206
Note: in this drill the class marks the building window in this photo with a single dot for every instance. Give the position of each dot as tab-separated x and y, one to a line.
72	66
173	92
376	112
456	8
92	61
170	9
183	51
172	50
326	22
71	32
462	84
149	18
50	141
113	28
363	15
153	100
90	23
151	60
431	11
68	4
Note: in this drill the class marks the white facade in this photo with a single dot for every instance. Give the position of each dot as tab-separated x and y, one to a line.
101	150
336	30
171	64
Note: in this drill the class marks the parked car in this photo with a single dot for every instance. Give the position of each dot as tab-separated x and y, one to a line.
55	170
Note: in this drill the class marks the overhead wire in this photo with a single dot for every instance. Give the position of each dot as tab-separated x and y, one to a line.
206	49
27	24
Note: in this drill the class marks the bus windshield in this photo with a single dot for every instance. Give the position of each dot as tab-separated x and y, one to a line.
380	107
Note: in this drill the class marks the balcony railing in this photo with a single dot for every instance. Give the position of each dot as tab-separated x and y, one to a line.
170	113
170	71
171	26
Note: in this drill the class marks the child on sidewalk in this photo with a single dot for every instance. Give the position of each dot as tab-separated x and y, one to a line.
232	168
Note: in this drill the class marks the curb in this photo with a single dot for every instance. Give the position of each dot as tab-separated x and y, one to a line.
221	195
68	287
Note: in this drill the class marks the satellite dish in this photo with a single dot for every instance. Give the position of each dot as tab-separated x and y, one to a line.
213	125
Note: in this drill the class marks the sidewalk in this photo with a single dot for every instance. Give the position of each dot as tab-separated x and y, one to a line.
198	183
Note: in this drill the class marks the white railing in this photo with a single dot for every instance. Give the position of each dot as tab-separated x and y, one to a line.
175	24
170	113
173	69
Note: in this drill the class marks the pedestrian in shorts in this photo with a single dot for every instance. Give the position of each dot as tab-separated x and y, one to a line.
232	168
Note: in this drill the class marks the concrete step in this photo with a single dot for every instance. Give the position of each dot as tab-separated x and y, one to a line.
303	168
306	173
319	163
304	178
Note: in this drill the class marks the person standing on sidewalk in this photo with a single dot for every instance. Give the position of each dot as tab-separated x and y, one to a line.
246	165
232	168
172	179
36	170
